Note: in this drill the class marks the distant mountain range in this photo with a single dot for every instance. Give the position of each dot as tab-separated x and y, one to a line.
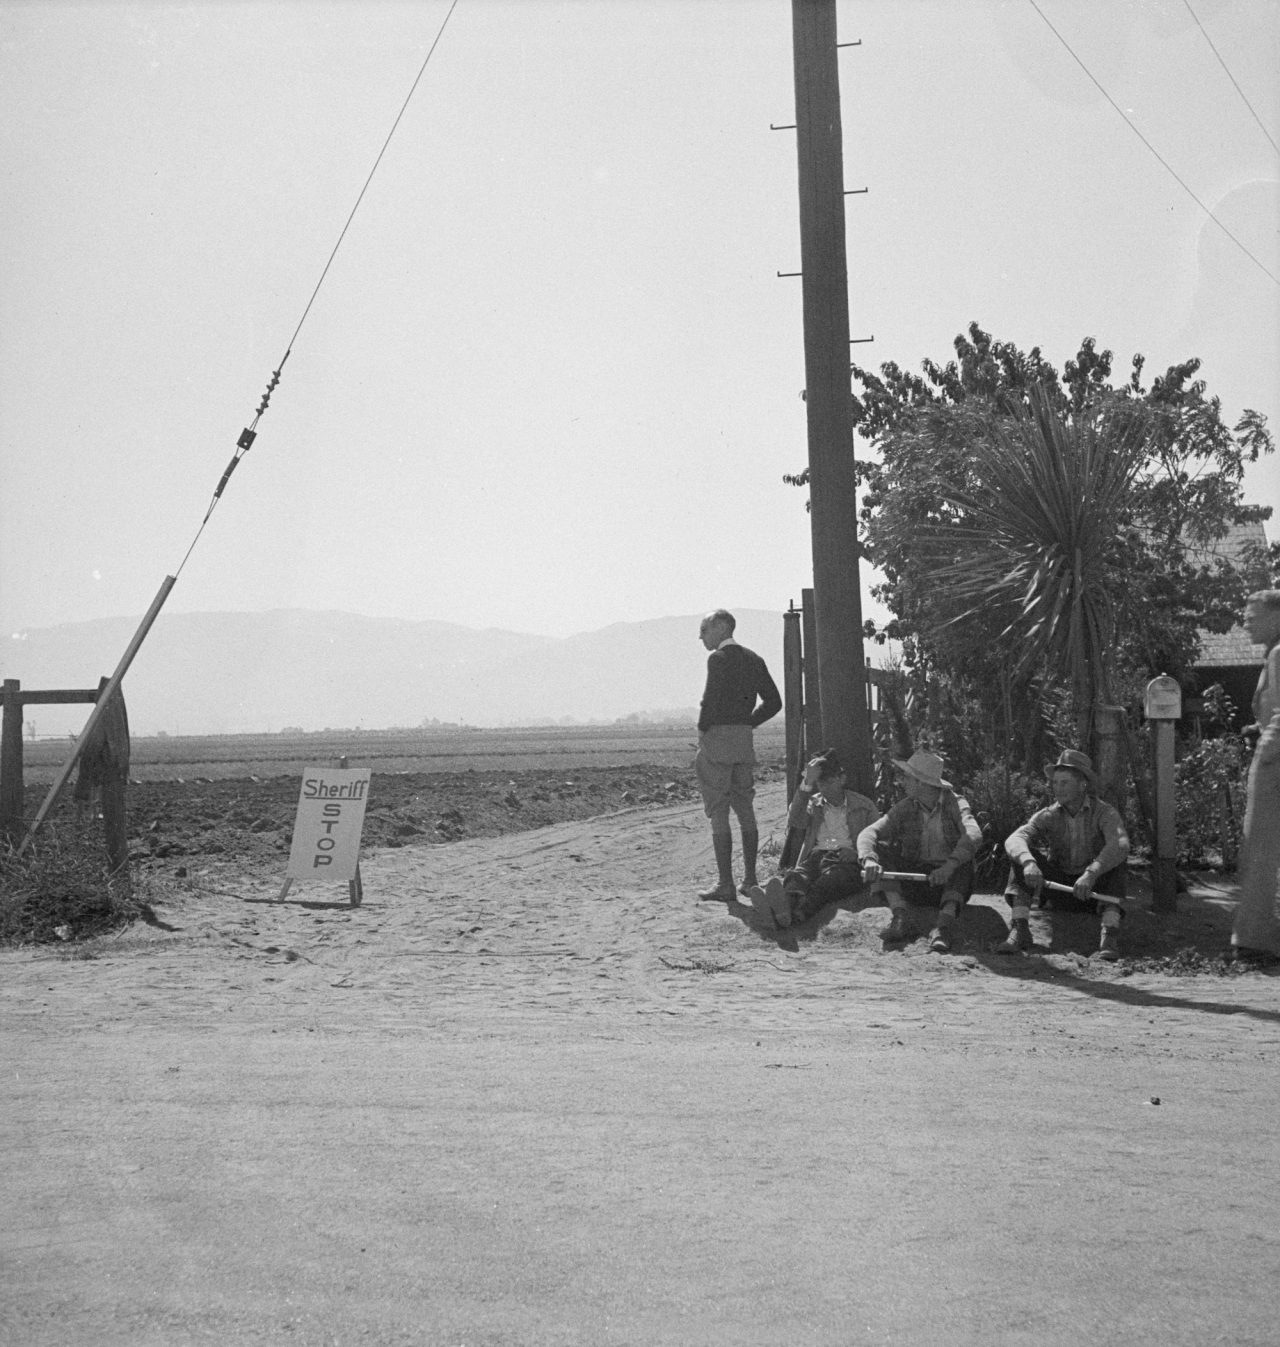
234	673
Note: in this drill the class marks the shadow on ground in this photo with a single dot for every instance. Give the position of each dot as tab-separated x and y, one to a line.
1191	941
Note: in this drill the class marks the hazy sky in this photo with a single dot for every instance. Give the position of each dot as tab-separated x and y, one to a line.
552	380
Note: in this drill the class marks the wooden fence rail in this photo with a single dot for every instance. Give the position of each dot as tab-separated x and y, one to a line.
103	760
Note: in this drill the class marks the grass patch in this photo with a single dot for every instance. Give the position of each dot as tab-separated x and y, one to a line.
1191	962
59	889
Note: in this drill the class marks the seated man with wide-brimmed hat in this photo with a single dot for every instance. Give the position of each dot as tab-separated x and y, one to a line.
931	832
1079	841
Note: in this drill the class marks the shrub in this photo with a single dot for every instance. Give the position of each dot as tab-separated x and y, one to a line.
1001	800
1210	783
1209	791
59	888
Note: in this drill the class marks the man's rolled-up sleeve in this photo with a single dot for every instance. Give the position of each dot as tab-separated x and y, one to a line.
970	837
1115	845
1017	846
869	839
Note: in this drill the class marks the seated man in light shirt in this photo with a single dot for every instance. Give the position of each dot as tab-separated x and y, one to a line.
1080	841
826	868
931	832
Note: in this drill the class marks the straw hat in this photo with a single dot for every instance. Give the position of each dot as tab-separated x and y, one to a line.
925	767
1073	761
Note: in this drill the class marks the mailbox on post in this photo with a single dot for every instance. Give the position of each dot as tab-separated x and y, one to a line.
1164	699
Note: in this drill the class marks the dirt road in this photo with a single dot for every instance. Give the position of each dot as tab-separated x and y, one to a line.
531	1092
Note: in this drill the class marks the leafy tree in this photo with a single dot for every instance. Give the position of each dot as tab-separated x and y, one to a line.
1044	533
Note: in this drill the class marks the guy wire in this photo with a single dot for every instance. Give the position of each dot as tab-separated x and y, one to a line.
250	432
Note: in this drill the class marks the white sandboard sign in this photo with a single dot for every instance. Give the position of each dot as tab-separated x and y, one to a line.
329	822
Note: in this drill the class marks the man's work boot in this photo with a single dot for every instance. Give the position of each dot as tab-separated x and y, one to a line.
1109	948
900	927
722	891
772	903
1018	941
718	893
941	935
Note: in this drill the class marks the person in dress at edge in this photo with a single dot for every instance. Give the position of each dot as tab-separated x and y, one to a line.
932	831
1255	935
740	695
1079	840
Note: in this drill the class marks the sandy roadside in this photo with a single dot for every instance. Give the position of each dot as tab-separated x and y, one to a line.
531	1092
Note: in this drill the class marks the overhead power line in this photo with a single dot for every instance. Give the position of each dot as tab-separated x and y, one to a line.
422	70
1231	77
249	434
1167	166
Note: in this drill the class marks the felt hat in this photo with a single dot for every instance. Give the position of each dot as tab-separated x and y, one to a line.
1074	761
829	764
925	767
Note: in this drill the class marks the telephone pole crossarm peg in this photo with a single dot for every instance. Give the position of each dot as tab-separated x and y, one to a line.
791	273
856	43
772	127
855	191
858	341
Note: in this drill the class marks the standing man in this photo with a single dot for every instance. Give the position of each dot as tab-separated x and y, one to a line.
1255	935
739	695
1079	841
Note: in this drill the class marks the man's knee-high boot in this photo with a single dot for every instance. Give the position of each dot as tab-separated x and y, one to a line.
723	891
750	849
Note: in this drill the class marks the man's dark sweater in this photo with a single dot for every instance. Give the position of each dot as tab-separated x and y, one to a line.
736	677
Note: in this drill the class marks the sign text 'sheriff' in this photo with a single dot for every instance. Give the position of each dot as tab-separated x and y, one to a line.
330	819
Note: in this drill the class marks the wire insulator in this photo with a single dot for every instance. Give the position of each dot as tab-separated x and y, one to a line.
271	388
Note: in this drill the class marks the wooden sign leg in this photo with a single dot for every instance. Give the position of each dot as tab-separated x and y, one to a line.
356	888
288	884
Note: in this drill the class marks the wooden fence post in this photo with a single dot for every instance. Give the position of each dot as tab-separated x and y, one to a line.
1163	706
11	761
104	762
1109	755
793	697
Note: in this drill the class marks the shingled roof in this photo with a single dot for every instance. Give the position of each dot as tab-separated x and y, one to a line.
1231	649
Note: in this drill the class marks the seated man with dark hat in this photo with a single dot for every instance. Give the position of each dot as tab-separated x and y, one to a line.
932	831
1080	841
826	868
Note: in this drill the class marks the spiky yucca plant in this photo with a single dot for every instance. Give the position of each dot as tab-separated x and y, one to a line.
1040	535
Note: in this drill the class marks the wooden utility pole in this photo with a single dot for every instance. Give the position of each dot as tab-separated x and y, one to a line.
833	502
